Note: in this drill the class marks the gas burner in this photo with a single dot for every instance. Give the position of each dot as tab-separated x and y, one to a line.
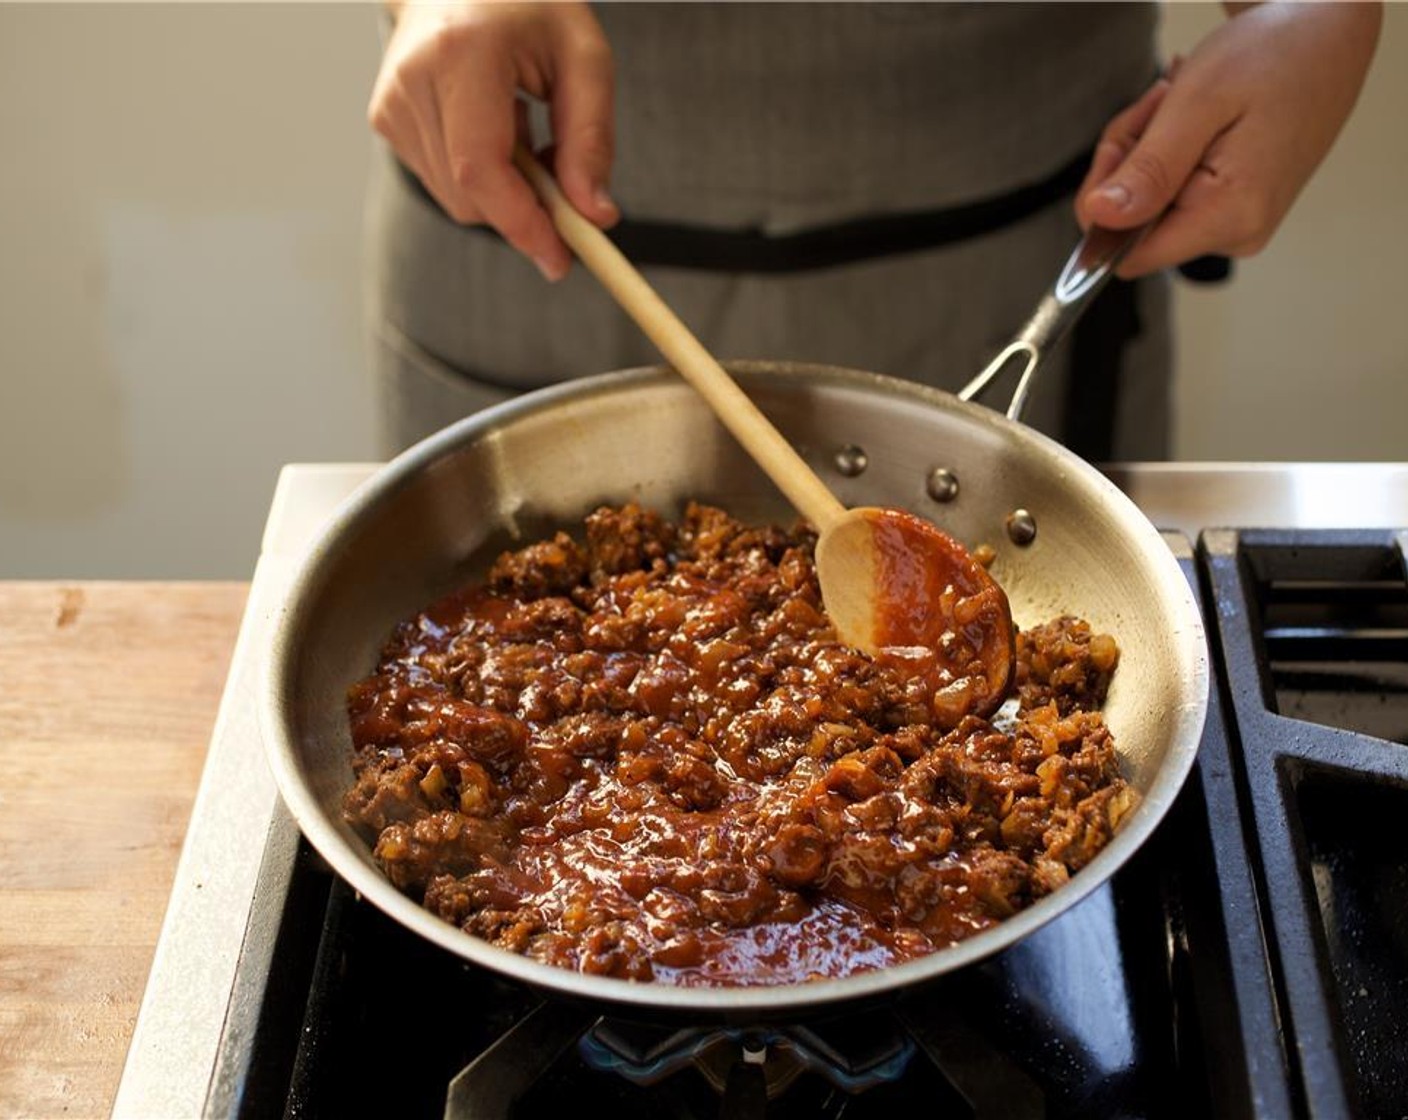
853	1054
863	1064
744	1068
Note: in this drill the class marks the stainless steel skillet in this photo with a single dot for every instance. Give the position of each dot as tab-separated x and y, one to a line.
439	513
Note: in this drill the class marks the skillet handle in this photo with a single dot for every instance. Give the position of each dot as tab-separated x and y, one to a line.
1088	269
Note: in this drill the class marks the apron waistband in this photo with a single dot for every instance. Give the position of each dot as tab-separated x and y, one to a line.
711	249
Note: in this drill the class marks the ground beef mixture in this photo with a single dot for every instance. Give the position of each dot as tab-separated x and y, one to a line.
646	755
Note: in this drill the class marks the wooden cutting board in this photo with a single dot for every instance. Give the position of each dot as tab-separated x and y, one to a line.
108	693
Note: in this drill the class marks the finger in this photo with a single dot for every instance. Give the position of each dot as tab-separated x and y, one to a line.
391	118
426	104
479	115
1108	156
405	112
583	127
1149	178
1117	141
1203	219
423	104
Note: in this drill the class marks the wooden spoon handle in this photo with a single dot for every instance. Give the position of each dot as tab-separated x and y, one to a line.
767	446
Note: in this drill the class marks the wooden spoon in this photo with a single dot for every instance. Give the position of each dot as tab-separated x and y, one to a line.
888	578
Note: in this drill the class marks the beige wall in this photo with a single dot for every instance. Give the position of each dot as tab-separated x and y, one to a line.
1306	355
180	198
180	193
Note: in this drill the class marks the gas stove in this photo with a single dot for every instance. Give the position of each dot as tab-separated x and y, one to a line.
1251	960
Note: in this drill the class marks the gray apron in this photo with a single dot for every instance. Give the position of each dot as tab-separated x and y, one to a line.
883	186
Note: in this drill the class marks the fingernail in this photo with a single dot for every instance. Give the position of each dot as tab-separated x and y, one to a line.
603	200
551	273
1117	194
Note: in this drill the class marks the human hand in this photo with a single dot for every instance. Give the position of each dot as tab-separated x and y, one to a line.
1222	146
447	100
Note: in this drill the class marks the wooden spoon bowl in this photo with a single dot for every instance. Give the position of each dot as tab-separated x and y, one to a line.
892	580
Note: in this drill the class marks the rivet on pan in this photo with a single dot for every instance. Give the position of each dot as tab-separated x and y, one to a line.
942	485
852	460
1021	527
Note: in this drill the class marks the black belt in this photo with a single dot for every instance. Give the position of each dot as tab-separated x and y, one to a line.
713	249
861	239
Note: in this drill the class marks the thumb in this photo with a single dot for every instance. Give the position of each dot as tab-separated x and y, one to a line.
583	129
1144	184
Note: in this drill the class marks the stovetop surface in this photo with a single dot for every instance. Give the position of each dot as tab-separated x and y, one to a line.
1249	961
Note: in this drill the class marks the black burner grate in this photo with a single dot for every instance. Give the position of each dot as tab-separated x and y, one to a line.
1312	629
